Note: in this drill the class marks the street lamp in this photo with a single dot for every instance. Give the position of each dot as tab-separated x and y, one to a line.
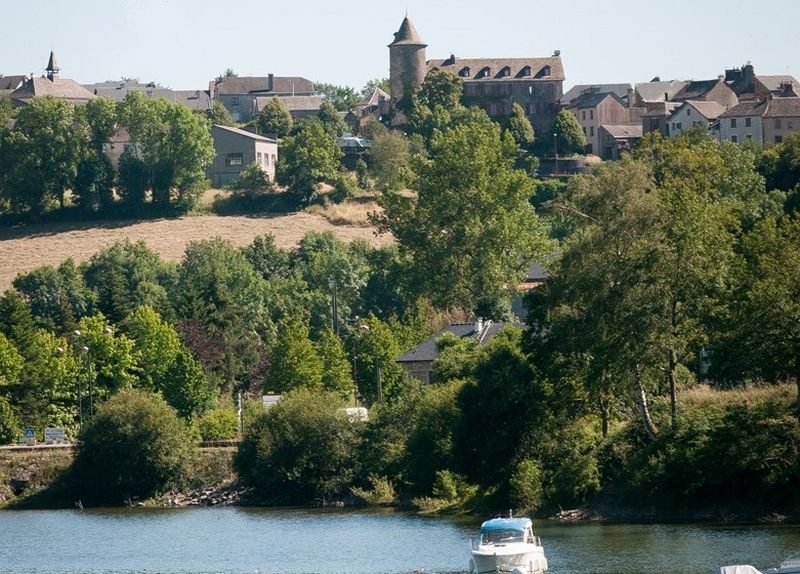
86	351
332	285
555	152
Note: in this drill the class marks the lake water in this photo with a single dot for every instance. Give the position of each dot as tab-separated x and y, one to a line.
238	540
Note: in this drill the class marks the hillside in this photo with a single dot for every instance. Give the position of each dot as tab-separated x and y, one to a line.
26	247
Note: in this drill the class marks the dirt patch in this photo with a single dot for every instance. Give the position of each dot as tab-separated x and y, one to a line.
27	247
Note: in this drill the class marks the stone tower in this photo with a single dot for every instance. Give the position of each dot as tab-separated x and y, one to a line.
52	67
407	66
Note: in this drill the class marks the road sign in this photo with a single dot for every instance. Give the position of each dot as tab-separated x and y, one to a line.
53	435
29	435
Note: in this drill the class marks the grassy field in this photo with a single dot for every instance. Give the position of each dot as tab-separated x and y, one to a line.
26	247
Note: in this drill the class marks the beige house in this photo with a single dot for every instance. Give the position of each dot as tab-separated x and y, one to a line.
691	114
781	118
235	150
614	140
594	109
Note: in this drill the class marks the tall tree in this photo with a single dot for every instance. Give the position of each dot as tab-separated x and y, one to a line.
567	134
275	118
520	126
295	361
470	231
331	120
308	157
342	98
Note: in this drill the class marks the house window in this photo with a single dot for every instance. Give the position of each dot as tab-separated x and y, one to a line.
679	126
235	101
583	115
273	159
789	124
749	137
734	139
501	109
591	131
778	139
234	159
526	71
464	73
733	122
747	122
591	114
778	124
688	111
259	159
584	130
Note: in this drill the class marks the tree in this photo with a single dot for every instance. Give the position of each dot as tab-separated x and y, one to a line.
252	180
302	449
520	126
342	98
274	118
308	158
295	362
187	390
567	133
391	161
331	120
218	115
111	362
134	448
266	257
336	374
470	231
441	89
41	154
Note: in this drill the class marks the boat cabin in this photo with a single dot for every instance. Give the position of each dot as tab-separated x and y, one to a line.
507	531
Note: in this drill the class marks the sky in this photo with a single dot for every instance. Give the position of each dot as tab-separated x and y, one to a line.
183	44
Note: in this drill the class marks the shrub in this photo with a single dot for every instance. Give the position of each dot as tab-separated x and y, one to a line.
135	447
381	494
253	180
9	423
218	424
525	486
302	449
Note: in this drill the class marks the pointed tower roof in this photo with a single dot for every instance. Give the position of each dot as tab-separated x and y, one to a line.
407	35
52	65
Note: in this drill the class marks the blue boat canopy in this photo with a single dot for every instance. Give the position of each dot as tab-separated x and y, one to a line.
505	524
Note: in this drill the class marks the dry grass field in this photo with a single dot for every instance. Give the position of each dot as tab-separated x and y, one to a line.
26	247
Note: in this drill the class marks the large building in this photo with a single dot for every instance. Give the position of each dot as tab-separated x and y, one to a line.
494	84
239	94
51	85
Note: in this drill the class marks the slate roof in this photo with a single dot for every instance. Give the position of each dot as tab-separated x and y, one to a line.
746	108
374	98
407	35
198	100
244	133
287	85
783	108
426	351
10	83
624	131
655	91
696	89
662	108
709	110
61	88
193	99
619	89
593	99
516	67
773	83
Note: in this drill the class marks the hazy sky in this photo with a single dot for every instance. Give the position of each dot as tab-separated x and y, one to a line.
183	44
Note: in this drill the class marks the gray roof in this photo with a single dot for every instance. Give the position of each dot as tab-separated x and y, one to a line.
243	133
426	351
11	83
593	99
374	98
709	110
536	272
497	66
292	103
285	85
193	99
746	108
623	131
61	88
407	35
783	108
696	89
662	108
773	83
656	91
620	89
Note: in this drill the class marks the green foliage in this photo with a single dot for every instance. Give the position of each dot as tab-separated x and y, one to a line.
519	126
134	448
266	257
274	118
369	87
10	428
187	390
308	157
336	372
218	115
525	486
220	423
330	120
252	180
300	450
391	161
362	172
295	362
340	98
441	89
111	358
449	490
470	231
380	493
567	133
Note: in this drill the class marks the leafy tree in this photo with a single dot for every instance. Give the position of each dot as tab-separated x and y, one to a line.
336	373
135	448
101	119
295	362
187	390
371	85
302	449
470	230
520	126
342	98
568	135
377	351
330	120
252	180
266	257
441	89
308	158
220	423
218	115
133	178
111	362
41	154
10	427
275	118
391	161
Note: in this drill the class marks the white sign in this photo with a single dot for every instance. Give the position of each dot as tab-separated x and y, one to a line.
52	435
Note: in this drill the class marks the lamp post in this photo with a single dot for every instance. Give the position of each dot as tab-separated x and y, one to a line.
86	351
332	285
555	152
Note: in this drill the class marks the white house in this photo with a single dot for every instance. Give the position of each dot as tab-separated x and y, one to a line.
693	113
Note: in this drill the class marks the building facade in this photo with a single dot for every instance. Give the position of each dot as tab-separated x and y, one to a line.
594	109
238	94
235	150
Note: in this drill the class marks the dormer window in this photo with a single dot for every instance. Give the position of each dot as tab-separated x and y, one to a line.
485	72
544	72
464	73
506	71
524	72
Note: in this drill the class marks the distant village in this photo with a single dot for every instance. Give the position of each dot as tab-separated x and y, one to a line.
738	105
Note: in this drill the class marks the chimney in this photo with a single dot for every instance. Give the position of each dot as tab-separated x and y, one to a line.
556	53
271	82
478	326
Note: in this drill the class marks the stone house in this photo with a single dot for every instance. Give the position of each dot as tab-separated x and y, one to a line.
708	91
51	85
656	99
781	117
743	122
693	113
418	362
237	94
593	109
195	100
616	139
235	150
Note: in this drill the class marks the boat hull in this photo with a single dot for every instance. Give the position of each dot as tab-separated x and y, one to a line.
501	561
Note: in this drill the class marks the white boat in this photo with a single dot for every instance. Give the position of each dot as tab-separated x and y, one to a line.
791	566
507	545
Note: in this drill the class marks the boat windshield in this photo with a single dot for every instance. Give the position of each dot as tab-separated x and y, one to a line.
502	536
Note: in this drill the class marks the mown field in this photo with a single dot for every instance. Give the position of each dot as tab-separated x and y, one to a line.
24	248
